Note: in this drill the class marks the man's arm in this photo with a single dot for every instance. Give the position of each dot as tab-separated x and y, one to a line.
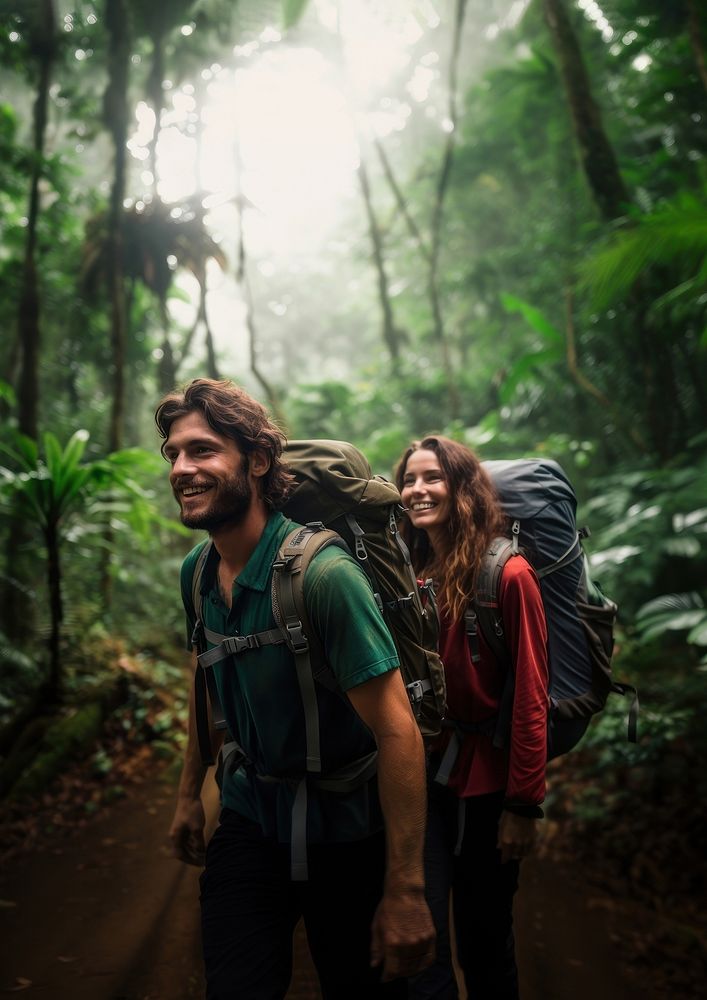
403	936
187	830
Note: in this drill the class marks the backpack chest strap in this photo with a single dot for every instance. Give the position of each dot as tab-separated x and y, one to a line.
233	645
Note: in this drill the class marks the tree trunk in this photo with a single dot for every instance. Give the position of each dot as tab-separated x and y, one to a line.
56	610
400	200
599	161
167	367
116	116
211	358
43	45
697	41
115	109
154	96
391	336
271	394
587	385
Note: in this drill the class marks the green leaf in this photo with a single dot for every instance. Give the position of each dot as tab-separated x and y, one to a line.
534	317
52	454
7	393
698	635
24	451
671	604
685	547
75	448
675	231
525	367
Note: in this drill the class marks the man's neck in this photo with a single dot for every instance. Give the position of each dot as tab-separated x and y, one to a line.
236	544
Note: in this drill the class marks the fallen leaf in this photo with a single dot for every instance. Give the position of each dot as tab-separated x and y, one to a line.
66	958
7	904
20	984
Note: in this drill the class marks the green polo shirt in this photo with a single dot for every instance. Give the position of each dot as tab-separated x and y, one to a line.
261	697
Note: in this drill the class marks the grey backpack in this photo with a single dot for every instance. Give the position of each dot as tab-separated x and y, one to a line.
541	506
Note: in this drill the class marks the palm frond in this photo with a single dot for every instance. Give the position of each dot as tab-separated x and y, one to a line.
676	231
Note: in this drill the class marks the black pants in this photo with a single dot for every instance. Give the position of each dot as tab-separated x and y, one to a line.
249	909
482	891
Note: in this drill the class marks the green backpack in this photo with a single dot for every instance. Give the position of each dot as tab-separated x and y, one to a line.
339	502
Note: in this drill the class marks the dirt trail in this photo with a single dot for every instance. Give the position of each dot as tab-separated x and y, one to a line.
108	915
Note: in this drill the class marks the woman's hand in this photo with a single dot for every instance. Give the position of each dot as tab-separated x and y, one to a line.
516	836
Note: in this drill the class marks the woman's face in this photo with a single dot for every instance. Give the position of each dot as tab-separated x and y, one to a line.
425	492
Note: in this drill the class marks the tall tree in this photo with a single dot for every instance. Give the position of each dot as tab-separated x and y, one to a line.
391	335
596	151
115	107
42	41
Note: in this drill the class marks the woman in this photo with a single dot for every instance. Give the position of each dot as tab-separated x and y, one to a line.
482	822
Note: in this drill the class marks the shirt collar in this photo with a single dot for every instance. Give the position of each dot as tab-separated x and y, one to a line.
256	574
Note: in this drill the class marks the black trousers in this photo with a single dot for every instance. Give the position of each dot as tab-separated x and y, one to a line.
250	906
482	891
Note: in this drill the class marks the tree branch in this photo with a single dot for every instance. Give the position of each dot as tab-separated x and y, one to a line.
584	383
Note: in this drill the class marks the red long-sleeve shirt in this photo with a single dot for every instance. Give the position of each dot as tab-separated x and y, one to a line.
474	692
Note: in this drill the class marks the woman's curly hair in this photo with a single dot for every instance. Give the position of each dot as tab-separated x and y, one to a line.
476	518
231	412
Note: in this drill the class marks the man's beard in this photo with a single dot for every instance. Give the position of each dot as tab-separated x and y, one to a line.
231	503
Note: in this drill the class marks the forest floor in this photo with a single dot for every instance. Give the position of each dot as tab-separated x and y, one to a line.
93	907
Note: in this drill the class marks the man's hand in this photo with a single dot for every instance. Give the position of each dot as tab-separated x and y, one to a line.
516	836
402	935
187	831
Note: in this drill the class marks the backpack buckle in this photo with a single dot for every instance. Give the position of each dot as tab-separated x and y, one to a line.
515	531
297	640
415	694
235	644
470	622
197	634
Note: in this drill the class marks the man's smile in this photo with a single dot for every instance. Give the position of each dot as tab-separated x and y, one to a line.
189	490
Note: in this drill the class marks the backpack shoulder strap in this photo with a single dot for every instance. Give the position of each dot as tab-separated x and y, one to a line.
196	580
205	690
484	611
289	607
487	607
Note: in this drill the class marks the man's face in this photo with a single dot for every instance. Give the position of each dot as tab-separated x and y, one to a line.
209	475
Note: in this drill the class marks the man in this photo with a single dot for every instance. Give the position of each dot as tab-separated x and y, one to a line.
363	904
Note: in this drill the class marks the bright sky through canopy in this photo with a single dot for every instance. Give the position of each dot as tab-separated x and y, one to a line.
282	114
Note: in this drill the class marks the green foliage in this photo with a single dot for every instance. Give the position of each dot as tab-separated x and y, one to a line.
649	535
49	487
674	235
674	613
21	673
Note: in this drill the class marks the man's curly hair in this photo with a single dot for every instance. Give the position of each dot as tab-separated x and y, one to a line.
231	412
